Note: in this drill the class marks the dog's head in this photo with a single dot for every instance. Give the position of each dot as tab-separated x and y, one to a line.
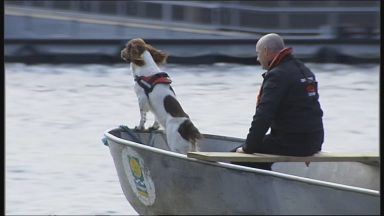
134	49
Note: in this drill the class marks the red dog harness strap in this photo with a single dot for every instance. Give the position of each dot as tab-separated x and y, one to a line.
149	82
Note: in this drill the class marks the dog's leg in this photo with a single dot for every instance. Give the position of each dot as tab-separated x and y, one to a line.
143	119
144	109
194	147
155	126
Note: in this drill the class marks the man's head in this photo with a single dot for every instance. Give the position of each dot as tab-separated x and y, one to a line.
267	47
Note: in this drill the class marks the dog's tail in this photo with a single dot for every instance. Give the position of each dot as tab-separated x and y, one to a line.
189	132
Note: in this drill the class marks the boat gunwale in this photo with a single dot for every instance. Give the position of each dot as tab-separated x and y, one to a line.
238	167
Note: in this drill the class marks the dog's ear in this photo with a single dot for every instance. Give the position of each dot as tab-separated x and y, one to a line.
158	56
135	48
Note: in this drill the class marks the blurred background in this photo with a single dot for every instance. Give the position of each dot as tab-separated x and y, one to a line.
192	31
65	83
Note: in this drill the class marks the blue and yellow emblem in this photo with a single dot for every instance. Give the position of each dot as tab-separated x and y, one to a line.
138	175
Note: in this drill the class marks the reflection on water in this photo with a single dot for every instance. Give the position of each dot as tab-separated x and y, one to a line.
57	114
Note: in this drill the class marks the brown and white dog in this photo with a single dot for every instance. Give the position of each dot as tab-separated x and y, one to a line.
155	94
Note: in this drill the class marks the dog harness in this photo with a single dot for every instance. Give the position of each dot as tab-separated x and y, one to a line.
149	82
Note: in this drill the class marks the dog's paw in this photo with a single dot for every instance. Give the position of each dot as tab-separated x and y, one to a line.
139	128
153	128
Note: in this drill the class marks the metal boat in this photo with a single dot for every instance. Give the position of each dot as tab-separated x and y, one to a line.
157	181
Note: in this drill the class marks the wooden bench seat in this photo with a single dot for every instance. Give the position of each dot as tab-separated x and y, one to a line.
257	157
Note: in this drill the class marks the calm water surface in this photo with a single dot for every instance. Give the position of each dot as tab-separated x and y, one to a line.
56	116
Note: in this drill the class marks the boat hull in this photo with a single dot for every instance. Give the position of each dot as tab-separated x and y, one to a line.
157	181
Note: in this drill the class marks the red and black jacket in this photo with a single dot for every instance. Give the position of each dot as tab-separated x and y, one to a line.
287	102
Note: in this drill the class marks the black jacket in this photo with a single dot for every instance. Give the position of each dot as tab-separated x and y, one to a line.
288	103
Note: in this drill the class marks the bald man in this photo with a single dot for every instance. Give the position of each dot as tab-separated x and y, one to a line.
287	104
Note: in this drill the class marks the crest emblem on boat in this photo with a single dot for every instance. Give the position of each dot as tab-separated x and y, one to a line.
139	178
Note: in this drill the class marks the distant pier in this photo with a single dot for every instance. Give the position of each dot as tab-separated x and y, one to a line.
46	33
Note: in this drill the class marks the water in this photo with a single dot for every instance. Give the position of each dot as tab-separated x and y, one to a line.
56	116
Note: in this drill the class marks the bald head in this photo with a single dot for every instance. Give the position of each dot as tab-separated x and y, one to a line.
273	42
267	47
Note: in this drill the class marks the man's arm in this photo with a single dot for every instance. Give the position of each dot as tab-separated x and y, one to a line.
257	131
274	89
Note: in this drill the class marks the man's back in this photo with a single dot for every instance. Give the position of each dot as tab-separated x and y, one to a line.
299	110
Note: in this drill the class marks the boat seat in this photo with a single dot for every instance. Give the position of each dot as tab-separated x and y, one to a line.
257	157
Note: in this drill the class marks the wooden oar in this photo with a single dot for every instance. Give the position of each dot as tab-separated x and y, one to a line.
257	157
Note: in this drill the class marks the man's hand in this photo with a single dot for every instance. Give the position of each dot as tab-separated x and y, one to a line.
240	150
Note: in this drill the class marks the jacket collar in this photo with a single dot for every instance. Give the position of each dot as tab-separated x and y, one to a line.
283	54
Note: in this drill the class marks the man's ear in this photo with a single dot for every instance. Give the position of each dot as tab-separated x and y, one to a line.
266	53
